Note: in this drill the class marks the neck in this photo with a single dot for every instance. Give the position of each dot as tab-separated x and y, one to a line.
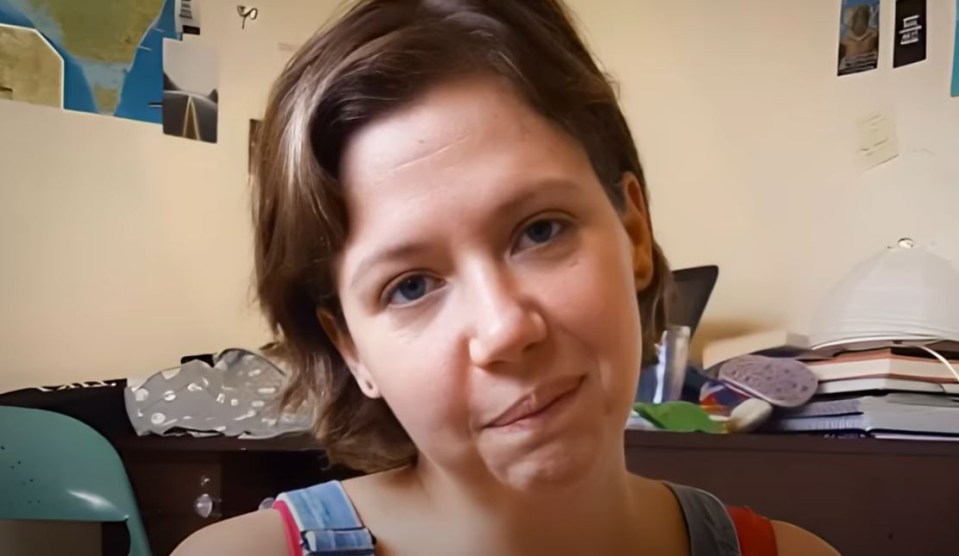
597	513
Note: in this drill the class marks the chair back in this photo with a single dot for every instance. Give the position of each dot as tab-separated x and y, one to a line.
54	467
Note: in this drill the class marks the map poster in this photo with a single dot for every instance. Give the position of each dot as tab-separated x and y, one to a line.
910	46
104	56
858	36
190	91
31	70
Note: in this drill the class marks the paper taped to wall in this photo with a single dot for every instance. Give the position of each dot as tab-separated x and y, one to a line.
187	17
877	139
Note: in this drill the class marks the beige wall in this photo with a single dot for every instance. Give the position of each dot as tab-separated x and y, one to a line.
122	249
749	141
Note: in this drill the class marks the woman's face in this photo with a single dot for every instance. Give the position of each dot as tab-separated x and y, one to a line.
489	286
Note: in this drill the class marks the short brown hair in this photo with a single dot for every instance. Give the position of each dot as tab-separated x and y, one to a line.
379	56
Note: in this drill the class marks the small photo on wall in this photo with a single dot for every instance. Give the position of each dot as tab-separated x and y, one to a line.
191	96
858	36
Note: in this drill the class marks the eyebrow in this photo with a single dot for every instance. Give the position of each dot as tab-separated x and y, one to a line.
514	204
393	252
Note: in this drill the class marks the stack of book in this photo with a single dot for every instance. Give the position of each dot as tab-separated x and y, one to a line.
885	370
894	392
880	389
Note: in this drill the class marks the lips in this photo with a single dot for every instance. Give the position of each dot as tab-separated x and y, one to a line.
537	401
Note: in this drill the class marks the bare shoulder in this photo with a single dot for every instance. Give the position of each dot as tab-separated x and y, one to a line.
255	534
796	541
384	489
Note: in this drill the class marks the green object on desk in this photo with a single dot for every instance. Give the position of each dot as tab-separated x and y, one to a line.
53	467
678	417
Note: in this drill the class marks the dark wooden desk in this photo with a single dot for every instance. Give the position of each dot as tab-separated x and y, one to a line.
170	475
866	497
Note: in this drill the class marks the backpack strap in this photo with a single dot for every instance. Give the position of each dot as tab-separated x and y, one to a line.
755	532
321	521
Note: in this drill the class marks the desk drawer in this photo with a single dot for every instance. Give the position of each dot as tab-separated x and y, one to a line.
179	485
168	477
166	533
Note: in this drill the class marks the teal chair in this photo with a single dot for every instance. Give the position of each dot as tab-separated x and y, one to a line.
53	467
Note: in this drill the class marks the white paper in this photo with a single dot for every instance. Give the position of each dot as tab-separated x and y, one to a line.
877	139
188	16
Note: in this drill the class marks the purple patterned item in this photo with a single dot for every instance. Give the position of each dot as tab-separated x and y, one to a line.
781	382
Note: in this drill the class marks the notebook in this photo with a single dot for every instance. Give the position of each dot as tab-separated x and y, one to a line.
883	363
898	412
861	385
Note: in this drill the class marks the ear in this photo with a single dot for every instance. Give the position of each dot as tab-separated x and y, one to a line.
635	218
344	345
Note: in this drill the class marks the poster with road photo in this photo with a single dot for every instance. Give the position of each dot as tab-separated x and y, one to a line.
191	95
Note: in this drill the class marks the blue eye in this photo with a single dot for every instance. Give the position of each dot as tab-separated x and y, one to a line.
411	289
541	231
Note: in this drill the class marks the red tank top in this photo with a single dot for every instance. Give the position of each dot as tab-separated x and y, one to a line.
755	532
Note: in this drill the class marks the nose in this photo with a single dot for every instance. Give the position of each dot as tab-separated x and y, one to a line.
507	321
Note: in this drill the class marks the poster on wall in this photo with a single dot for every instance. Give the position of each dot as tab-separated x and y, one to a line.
187	17
858	36
103	57
190	91
910	44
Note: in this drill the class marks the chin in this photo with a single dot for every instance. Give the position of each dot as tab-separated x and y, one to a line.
556	466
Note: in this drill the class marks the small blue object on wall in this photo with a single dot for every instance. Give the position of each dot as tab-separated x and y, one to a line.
955	57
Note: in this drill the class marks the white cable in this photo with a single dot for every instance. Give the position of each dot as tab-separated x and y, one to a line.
942	359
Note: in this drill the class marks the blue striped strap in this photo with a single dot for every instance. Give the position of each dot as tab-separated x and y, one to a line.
327	521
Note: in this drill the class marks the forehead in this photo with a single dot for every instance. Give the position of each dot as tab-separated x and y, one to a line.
459	147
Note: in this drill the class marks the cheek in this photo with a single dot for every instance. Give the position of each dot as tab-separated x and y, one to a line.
597	311
599	303
419	377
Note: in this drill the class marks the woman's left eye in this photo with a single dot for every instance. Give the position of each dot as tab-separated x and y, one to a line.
540	232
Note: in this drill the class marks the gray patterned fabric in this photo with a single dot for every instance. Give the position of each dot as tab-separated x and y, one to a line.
711	530
236	397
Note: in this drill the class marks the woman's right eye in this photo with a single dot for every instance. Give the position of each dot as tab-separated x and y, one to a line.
410	289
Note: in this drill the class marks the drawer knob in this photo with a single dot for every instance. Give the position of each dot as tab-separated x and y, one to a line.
205	506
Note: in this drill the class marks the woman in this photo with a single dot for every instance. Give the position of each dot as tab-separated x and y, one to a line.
453	245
